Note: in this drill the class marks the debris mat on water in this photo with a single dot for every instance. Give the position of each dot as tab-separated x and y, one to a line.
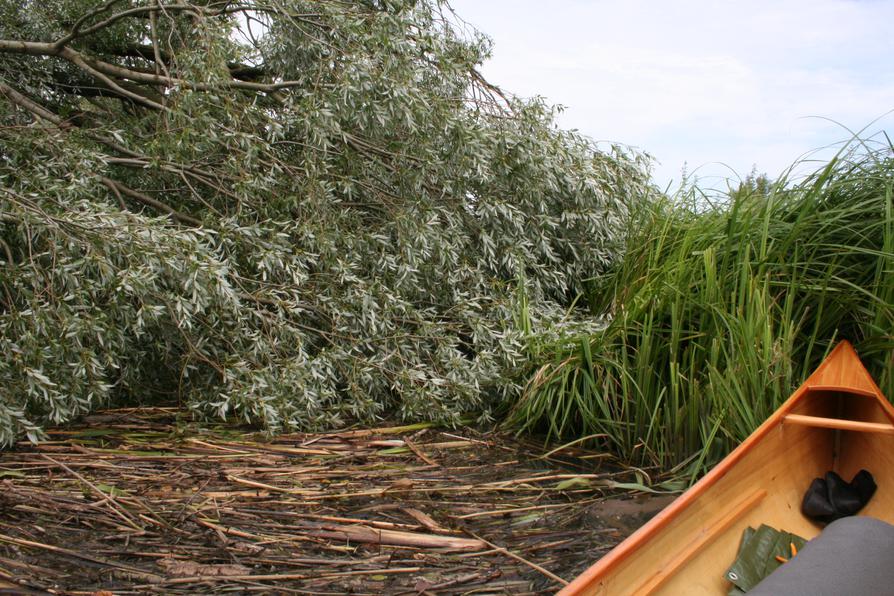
132	501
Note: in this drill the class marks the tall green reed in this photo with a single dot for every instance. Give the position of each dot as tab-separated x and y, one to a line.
716	314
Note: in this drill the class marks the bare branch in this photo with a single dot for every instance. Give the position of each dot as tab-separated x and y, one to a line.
102	70
35	108
118	196
237	70
156	7
6	249
116	186
36	48
146	77
156	50
77	32
33	48
76	59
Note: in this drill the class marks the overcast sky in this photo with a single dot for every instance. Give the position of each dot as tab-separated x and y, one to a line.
741	83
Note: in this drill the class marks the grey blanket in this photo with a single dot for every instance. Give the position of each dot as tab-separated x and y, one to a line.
853	555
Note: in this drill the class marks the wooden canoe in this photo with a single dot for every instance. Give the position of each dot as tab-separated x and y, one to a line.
837	420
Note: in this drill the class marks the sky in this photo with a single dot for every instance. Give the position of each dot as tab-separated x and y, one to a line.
723	87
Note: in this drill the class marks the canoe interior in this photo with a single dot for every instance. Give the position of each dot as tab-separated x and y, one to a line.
687	548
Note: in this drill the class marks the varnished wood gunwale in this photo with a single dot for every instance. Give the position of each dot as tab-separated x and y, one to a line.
841	372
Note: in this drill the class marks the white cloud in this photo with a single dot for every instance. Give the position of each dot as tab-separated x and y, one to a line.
700	82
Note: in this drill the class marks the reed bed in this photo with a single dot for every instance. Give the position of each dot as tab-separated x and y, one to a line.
132	502
719	310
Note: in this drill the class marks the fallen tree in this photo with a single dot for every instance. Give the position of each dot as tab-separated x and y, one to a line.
294	212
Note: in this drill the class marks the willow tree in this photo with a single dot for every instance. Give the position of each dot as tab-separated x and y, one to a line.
295	212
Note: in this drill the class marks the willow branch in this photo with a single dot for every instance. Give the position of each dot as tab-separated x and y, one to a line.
135	159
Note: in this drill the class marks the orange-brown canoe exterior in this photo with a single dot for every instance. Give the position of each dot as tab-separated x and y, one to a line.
838	419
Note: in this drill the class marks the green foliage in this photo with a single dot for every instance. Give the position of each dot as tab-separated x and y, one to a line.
294	212
715	316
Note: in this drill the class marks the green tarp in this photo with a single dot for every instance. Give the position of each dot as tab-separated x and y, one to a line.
757	554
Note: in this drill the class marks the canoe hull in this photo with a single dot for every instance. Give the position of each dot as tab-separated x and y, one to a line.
837	420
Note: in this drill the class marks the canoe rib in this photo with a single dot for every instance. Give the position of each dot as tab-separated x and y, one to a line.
837	423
